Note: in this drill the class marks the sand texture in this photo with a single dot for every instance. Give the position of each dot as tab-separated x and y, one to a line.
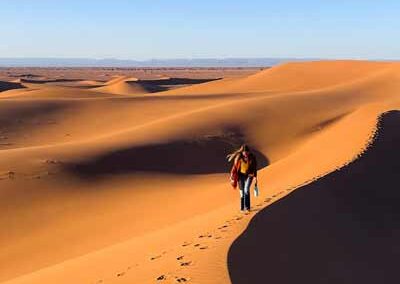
123	179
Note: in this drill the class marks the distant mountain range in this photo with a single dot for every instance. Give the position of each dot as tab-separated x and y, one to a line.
110	62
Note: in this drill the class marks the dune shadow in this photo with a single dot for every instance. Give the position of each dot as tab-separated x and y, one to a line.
178	81
153	86
45	81
342	228
29	114
201	155
5	86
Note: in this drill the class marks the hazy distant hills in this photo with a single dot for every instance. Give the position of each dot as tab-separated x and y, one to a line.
89	62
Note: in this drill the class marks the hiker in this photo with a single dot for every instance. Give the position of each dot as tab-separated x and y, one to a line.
243	172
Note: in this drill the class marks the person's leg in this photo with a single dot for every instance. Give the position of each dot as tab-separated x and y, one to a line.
241	182
247	186
242	201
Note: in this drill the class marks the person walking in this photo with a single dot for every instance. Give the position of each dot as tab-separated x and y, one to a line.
243	172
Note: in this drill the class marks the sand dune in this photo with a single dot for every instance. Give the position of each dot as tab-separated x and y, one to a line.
79	168
122	86
46	80
133	86
298	77
291	77
78	83
345	227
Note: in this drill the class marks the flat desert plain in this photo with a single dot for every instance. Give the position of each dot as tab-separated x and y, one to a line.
120	176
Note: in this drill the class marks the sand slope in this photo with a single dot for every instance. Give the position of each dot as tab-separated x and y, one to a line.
298	77
126	185
342	228
133	86
121	86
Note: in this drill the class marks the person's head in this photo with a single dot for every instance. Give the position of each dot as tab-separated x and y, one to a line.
245	150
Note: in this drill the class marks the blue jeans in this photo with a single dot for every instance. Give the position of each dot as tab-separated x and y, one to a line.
244	182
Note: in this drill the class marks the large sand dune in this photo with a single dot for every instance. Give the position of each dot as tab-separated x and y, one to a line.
343	228
133	86
135	187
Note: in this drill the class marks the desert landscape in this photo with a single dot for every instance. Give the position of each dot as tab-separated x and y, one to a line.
120	176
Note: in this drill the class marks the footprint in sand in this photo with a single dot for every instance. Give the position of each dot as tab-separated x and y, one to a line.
205	247
187	263
120	274
181	280
180	257
161	278
155	257
11	174
267	199
185	244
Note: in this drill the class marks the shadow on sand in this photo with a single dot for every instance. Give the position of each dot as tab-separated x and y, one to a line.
153	86
44	81
343	228
202	155
5	86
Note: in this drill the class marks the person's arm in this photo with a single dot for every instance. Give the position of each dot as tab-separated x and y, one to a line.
234	166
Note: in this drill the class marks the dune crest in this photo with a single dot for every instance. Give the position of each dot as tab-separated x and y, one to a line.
122	86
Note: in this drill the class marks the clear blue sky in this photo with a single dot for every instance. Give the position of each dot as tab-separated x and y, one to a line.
143	29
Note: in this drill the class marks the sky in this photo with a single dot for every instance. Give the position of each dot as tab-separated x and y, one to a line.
143	29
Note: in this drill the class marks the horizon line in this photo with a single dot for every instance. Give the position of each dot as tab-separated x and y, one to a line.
204	62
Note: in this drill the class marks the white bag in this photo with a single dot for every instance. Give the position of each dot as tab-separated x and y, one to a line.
256	192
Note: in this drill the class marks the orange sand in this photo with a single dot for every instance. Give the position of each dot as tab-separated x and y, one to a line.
118	185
